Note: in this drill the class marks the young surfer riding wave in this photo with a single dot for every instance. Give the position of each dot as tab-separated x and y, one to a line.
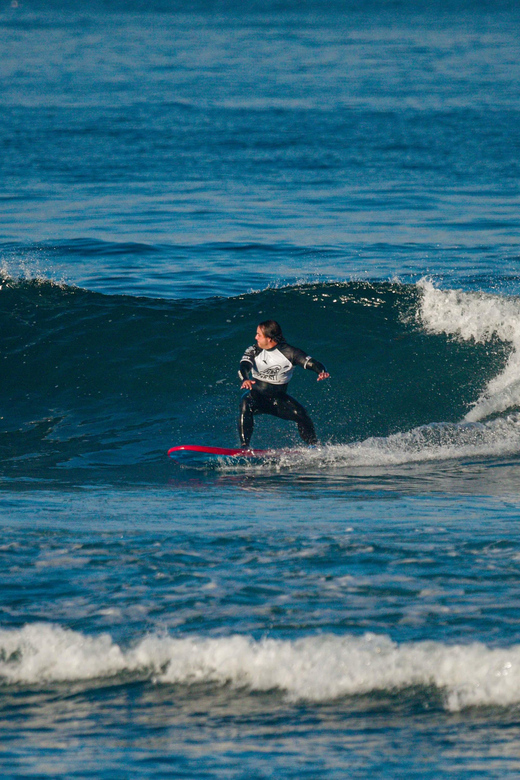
265	370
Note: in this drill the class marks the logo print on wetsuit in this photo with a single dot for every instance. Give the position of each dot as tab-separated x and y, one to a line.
269	374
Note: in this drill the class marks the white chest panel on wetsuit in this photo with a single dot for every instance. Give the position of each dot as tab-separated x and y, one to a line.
270	365
275	366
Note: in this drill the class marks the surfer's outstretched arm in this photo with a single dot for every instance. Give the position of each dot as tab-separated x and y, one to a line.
298	357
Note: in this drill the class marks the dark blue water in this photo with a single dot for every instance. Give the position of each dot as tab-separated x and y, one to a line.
171	176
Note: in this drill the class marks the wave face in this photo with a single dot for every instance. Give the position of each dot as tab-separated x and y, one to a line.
317	668
95	382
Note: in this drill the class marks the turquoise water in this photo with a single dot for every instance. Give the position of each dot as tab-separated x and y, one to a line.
170	178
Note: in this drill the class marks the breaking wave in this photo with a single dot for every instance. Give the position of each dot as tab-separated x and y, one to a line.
92	384
314	668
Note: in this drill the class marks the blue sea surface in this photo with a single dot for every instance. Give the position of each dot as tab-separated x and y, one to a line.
172	174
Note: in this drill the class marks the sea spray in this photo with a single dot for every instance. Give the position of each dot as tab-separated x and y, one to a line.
433	442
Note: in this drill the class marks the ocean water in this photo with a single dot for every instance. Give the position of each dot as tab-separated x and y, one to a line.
171	175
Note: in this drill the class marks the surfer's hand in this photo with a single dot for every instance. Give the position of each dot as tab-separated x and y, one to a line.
323	375
247	384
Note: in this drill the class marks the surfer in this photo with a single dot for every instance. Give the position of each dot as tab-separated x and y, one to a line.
265	370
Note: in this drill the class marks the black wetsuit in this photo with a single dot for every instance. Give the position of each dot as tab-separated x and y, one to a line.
271	370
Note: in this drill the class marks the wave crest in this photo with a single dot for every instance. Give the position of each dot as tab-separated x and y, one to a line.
314	668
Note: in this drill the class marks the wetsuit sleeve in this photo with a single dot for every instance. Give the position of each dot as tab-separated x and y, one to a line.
246	364
299	358
314	365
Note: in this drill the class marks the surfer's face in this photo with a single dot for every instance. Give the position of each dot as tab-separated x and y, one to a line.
263	341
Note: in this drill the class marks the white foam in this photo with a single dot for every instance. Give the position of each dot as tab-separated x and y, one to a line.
427	443
315	668
42	652
481	317
434	442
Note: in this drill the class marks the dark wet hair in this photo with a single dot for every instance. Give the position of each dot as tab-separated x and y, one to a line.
272	330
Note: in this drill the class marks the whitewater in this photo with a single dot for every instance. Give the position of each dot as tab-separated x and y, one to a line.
318	669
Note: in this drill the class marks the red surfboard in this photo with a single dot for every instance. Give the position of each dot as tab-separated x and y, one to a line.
196	453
